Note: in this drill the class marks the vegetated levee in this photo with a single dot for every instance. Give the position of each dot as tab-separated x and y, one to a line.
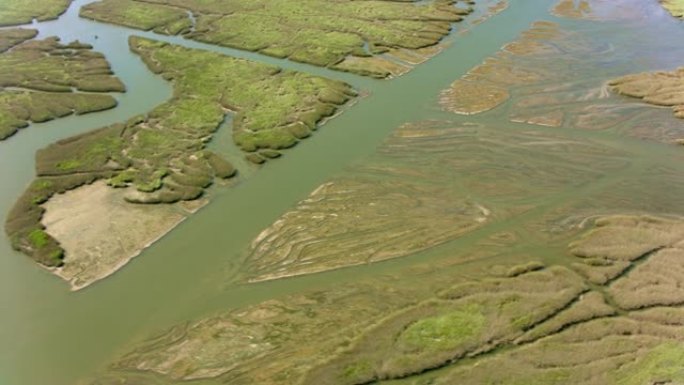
378	38
161	157
15	12
42	80
530	323
429	183
557	77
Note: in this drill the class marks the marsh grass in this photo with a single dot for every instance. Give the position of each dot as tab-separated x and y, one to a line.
39	77
468	319
589	306
316	31
617	242
15	12
160	157
655	282
12	37
657	88
625	238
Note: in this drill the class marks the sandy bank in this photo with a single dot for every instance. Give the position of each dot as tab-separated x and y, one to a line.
101	233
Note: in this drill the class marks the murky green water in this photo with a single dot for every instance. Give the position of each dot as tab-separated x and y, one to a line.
51	336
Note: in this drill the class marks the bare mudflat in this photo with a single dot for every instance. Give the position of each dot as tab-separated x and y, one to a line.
101	232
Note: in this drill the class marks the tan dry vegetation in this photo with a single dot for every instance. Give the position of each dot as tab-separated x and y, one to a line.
572	9
657	88
488	85
552	76
361	221
609	249
589	306
414	194
536	327
599	10
656	282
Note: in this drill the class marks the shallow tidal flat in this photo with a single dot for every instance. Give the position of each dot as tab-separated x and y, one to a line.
557	76
41	80
375	38
430	183
161	157
527	323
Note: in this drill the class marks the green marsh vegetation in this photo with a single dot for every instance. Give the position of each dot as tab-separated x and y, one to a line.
465	320
343	34
161	157
15	12
427	324
41	80
141	15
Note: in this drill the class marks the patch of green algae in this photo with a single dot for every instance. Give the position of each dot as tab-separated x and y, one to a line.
318	32
161	157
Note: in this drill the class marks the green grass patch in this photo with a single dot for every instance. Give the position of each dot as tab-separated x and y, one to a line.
443	332
315	31
38	238
662	365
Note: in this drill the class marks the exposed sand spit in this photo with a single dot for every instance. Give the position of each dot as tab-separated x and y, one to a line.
101	232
